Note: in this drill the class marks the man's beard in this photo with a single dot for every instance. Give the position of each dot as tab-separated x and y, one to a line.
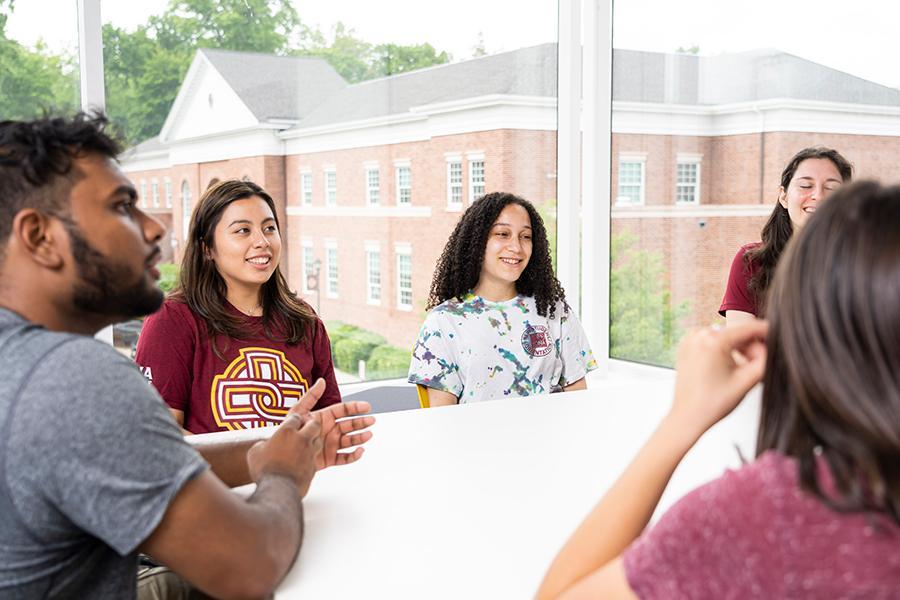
103	287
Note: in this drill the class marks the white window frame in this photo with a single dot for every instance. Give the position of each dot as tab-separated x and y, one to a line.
329	189
167	186
306	187
331	283
154	187
454	160
688	159
373	248
145	200
307	257
632	158
400	165
474	158
373	184
403	250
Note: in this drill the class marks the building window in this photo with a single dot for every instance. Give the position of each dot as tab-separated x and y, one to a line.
306	191
404	185
373	274
404	277
687	182
185	210
631	182
144	199
168	188
454	183
155	187
476	178
331	268
373	185
330	187
308	264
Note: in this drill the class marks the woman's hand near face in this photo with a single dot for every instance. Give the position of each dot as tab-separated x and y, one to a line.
710	382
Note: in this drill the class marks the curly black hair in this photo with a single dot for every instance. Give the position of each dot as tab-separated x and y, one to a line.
36	159
459	267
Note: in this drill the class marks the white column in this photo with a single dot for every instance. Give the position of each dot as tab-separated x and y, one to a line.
90	55
568	181
90	65
595	181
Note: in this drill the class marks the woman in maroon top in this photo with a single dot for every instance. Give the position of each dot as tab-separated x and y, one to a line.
817	515
810	176
233	347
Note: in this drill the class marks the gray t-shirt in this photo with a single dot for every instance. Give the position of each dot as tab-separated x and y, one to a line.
89	461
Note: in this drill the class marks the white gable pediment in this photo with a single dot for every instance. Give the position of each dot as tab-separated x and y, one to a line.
206	105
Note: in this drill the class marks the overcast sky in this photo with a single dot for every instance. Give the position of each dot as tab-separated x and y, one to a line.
857	37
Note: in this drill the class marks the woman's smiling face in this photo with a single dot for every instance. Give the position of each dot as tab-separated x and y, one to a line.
246	243
813	180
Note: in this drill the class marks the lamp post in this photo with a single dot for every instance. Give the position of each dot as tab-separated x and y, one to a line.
312	280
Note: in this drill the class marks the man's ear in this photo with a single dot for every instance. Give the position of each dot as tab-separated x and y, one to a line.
40	237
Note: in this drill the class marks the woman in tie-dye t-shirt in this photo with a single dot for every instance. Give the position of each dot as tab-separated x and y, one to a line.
499	324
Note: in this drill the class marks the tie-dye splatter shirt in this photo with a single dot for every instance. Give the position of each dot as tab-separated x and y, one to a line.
480	350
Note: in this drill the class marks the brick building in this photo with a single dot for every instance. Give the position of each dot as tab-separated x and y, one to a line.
370	178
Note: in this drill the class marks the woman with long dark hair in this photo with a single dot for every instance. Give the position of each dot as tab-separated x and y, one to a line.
817	514
233	347
498	324
808	178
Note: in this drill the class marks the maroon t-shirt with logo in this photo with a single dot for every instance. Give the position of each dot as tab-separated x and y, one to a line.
754	533
254	383
737	295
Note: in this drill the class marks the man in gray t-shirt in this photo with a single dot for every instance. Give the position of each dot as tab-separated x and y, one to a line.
92	467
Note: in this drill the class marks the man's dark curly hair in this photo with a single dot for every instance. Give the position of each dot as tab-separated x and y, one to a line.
459	267
36	160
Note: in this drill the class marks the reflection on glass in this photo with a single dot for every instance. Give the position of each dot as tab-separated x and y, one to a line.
705	116
371	142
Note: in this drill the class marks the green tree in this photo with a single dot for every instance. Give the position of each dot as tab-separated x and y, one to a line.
347	54
391	59
33	81
643	323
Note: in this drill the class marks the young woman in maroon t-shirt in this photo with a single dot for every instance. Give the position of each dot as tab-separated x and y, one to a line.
810	176
817	514
233	347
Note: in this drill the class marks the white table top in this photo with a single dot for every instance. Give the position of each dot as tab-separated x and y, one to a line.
474	501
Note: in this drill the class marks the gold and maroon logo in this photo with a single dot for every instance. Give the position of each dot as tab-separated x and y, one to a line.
256	390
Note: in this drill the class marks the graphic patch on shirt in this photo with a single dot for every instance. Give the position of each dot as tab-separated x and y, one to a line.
536	340
256	390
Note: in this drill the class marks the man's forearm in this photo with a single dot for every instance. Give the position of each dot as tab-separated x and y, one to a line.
228	460
278	500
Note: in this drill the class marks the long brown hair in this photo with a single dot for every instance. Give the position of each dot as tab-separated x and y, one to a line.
202	288
832	380
778	229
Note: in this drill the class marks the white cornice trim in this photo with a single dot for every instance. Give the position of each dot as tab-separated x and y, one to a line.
772	115
488	100
691	211
360	211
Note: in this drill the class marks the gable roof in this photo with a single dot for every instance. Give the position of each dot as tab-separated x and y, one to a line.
525	72
750	76
276	87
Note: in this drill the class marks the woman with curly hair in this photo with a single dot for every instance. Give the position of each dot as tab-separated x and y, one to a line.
809	177
233	347
499	324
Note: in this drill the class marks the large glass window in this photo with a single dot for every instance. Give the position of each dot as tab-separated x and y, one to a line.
709	103
331	108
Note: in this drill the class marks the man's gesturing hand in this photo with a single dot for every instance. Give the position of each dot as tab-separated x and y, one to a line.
292	451
341	426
